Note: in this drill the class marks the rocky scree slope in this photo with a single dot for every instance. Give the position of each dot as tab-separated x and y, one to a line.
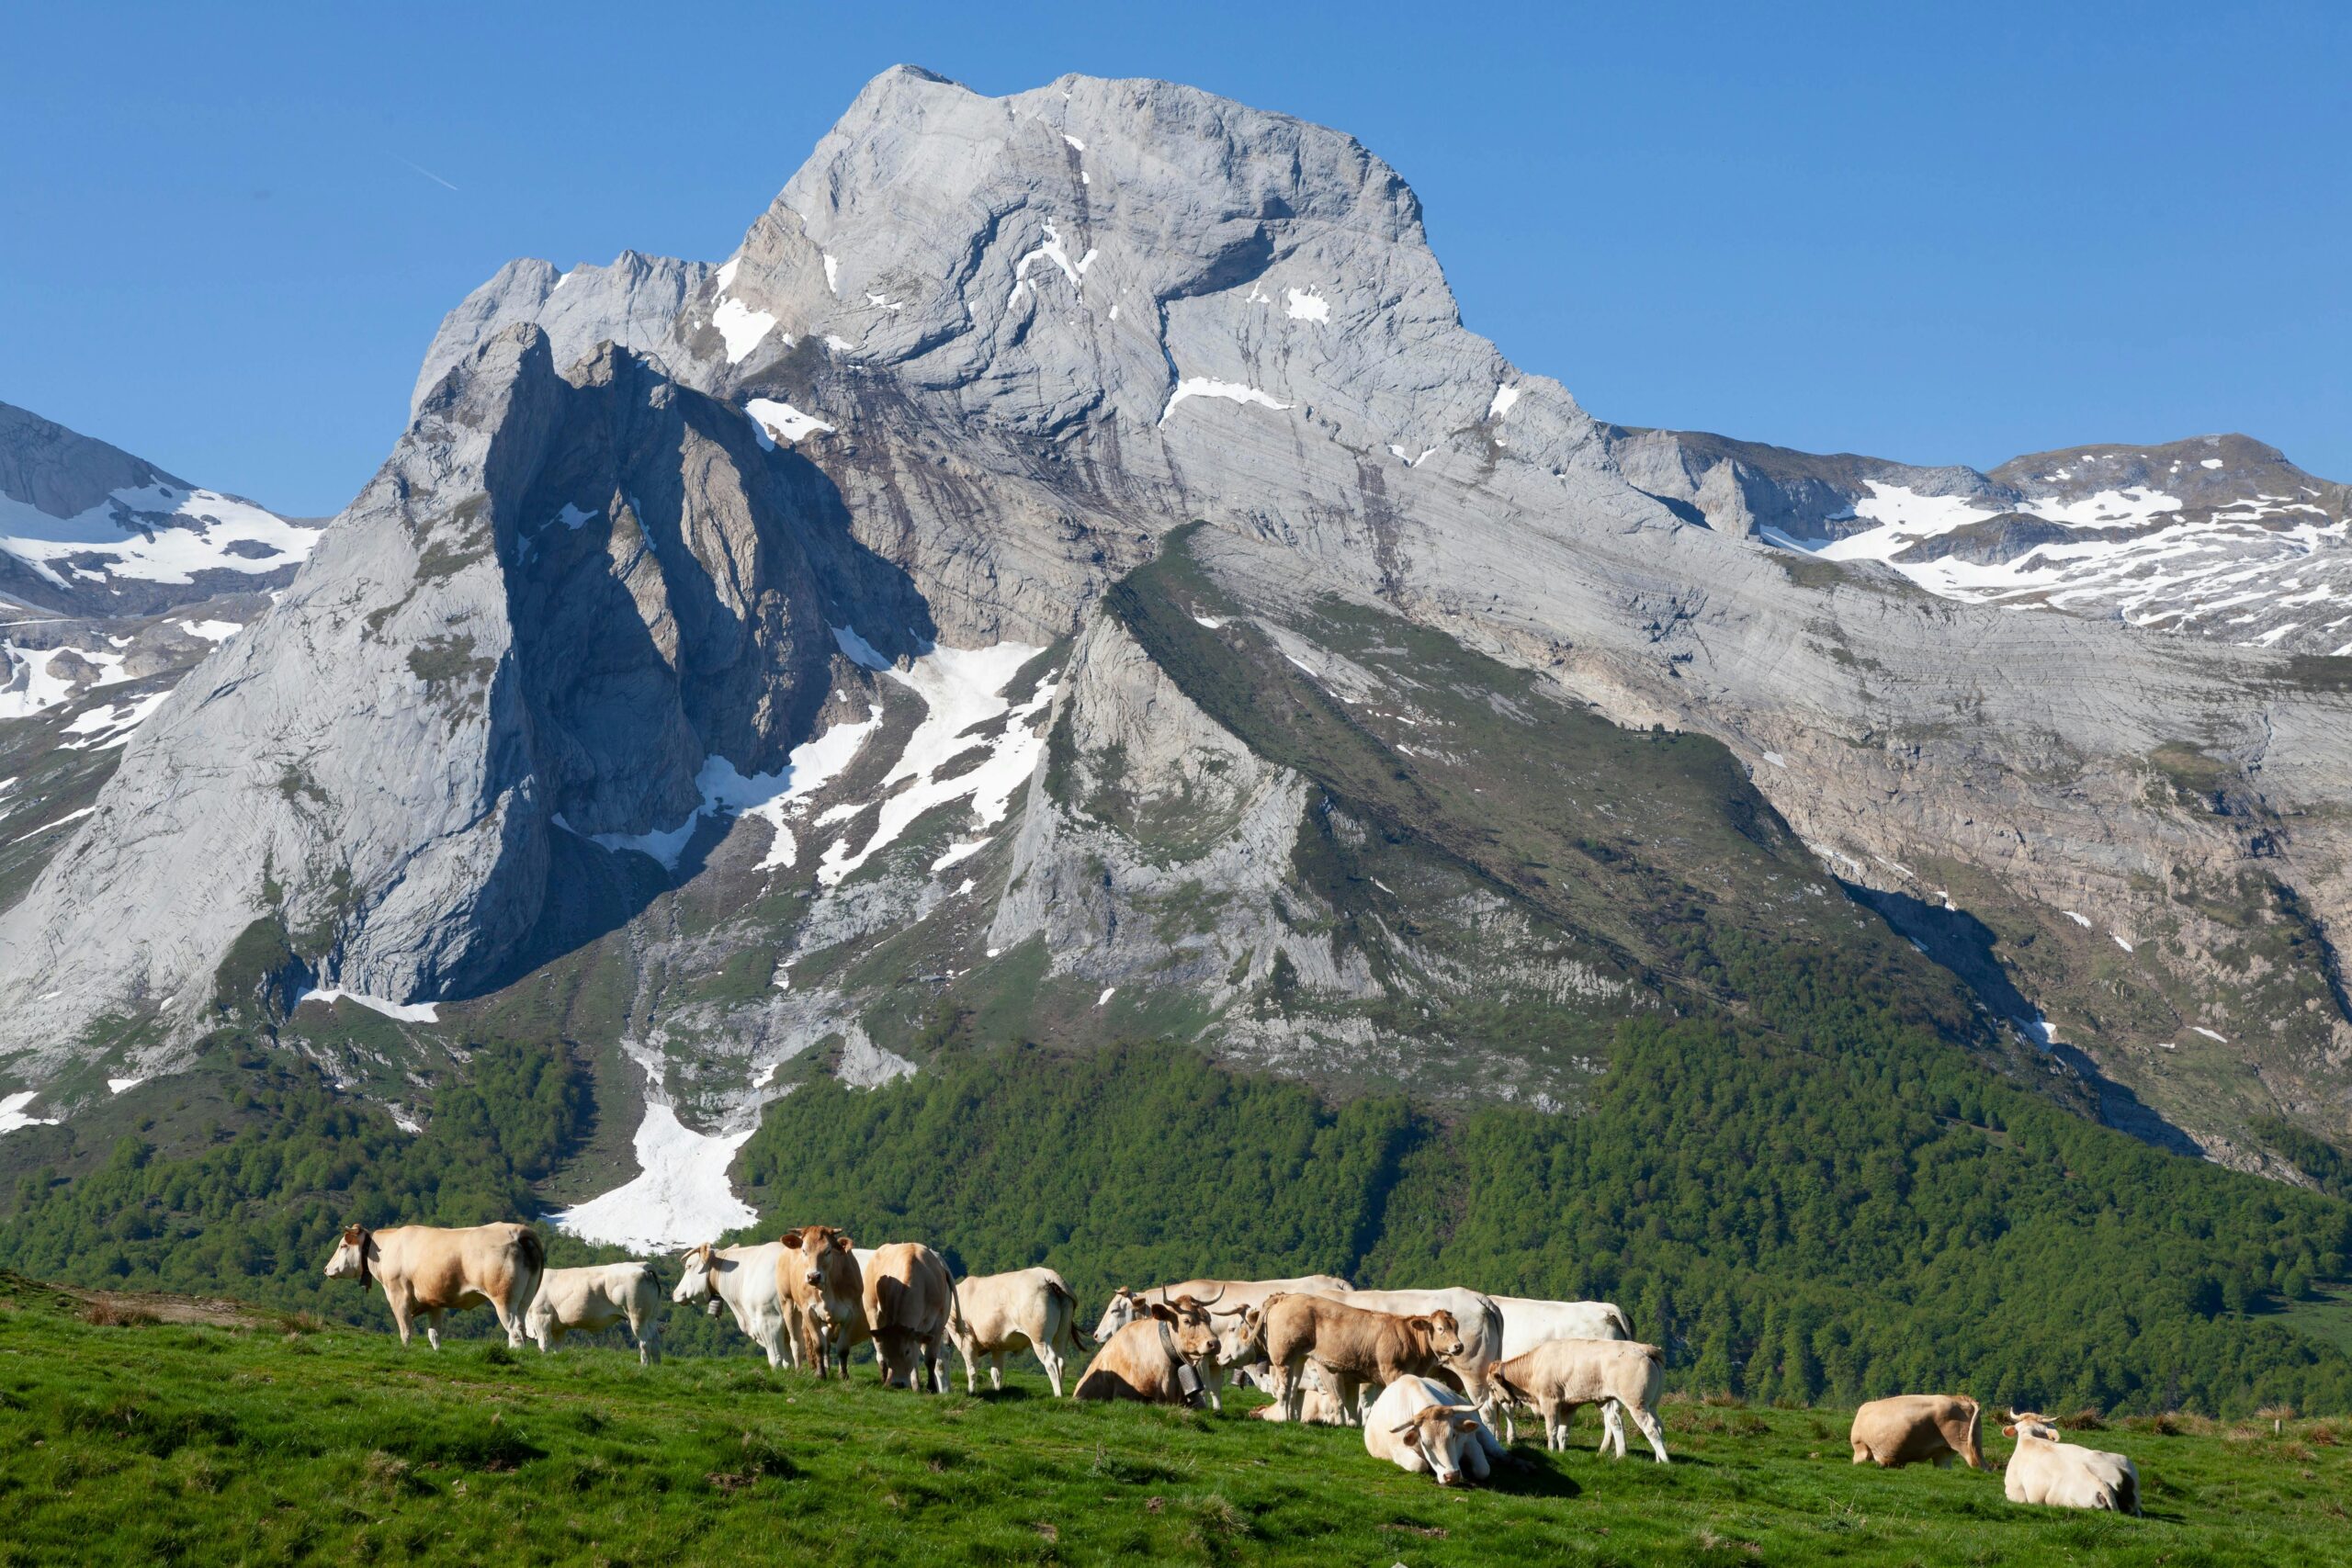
982	356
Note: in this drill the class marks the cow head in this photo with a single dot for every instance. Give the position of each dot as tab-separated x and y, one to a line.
1123	1308
1441	1331
1240	1336
2026	1424
1441	1435
352	1251
820	1248
699	1280
1187	1329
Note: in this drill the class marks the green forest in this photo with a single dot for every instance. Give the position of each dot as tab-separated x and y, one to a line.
1823	1212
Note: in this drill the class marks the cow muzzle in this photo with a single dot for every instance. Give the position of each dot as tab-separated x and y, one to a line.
812	1277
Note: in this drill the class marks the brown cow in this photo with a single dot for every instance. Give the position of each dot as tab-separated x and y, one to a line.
910	1301
1911	1427
1157	1359
823	1289
1351	1345
427	1269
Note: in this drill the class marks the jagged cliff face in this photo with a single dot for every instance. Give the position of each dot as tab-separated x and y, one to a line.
795	673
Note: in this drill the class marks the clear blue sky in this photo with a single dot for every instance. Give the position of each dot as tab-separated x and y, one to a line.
1935	233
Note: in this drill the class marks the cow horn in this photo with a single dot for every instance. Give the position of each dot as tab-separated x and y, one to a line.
1218	1297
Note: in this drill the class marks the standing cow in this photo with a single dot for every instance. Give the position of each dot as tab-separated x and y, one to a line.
1556	1378
1910	1427
1353	1346
909	1302
744	1277
822	1274
1157	1359
1001	1314
2060	1475
592	1300
1233	1296
1529	1321
1423	1426
426	1270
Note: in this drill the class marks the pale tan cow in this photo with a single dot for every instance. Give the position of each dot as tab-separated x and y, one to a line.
1554	1379
590	1300
1001	1314
1908	1428
1352	1347
2057	1475
742	1279
1426	1428
818	1273
1157	1359
426	1270
910	1301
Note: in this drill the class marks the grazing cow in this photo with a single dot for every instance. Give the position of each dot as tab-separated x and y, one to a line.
2060	1475
822	1274
909	1303
593	1299
427	1269
1910	1427
1423	1426
1000	1314
1157	1359
744	1277
1353	1346
1529	1322
1556	1378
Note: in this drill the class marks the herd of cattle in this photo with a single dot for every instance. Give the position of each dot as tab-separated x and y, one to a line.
1424	1373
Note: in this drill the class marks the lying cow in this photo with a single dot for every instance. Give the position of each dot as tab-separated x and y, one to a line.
1556	1378
744	1277
1911	1427
1001	1314
1317	1407
1423	1426
821	1273
1529	1321
1158	1358
2060	1475
590	1301
426	1271
1352	1347
910	1301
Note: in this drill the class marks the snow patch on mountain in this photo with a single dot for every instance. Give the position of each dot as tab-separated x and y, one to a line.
159	533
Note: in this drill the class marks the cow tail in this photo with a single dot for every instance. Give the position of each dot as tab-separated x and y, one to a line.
1624	1325
1077	1329
535	1251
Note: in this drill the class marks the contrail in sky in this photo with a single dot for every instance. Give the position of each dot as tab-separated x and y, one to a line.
429	174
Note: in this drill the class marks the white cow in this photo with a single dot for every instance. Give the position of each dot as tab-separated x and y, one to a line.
743	1278
2060	1475
1560	1374
592	1300
1529	1321
1425	1428
1001	1314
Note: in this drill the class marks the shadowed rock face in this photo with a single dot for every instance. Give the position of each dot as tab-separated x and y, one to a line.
979	359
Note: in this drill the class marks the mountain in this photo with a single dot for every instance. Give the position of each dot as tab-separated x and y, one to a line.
1070	576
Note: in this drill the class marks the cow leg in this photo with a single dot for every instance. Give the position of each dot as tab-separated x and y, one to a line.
510	1321
400	1316
1650	1429
996	1370
550	1338
1051	1359
1612	1426
433	1327
1290	1388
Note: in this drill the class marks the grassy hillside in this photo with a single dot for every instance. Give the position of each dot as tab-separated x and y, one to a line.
130	1440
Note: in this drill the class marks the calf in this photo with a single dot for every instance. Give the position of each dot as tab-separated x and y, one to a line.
1000	1314
426	1270
1529	1321
1425	1428
821	1273
910	1301
2059	1476
1910	1427
744	1279
1556	1378
1157	1359
1352	1347
593	1299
